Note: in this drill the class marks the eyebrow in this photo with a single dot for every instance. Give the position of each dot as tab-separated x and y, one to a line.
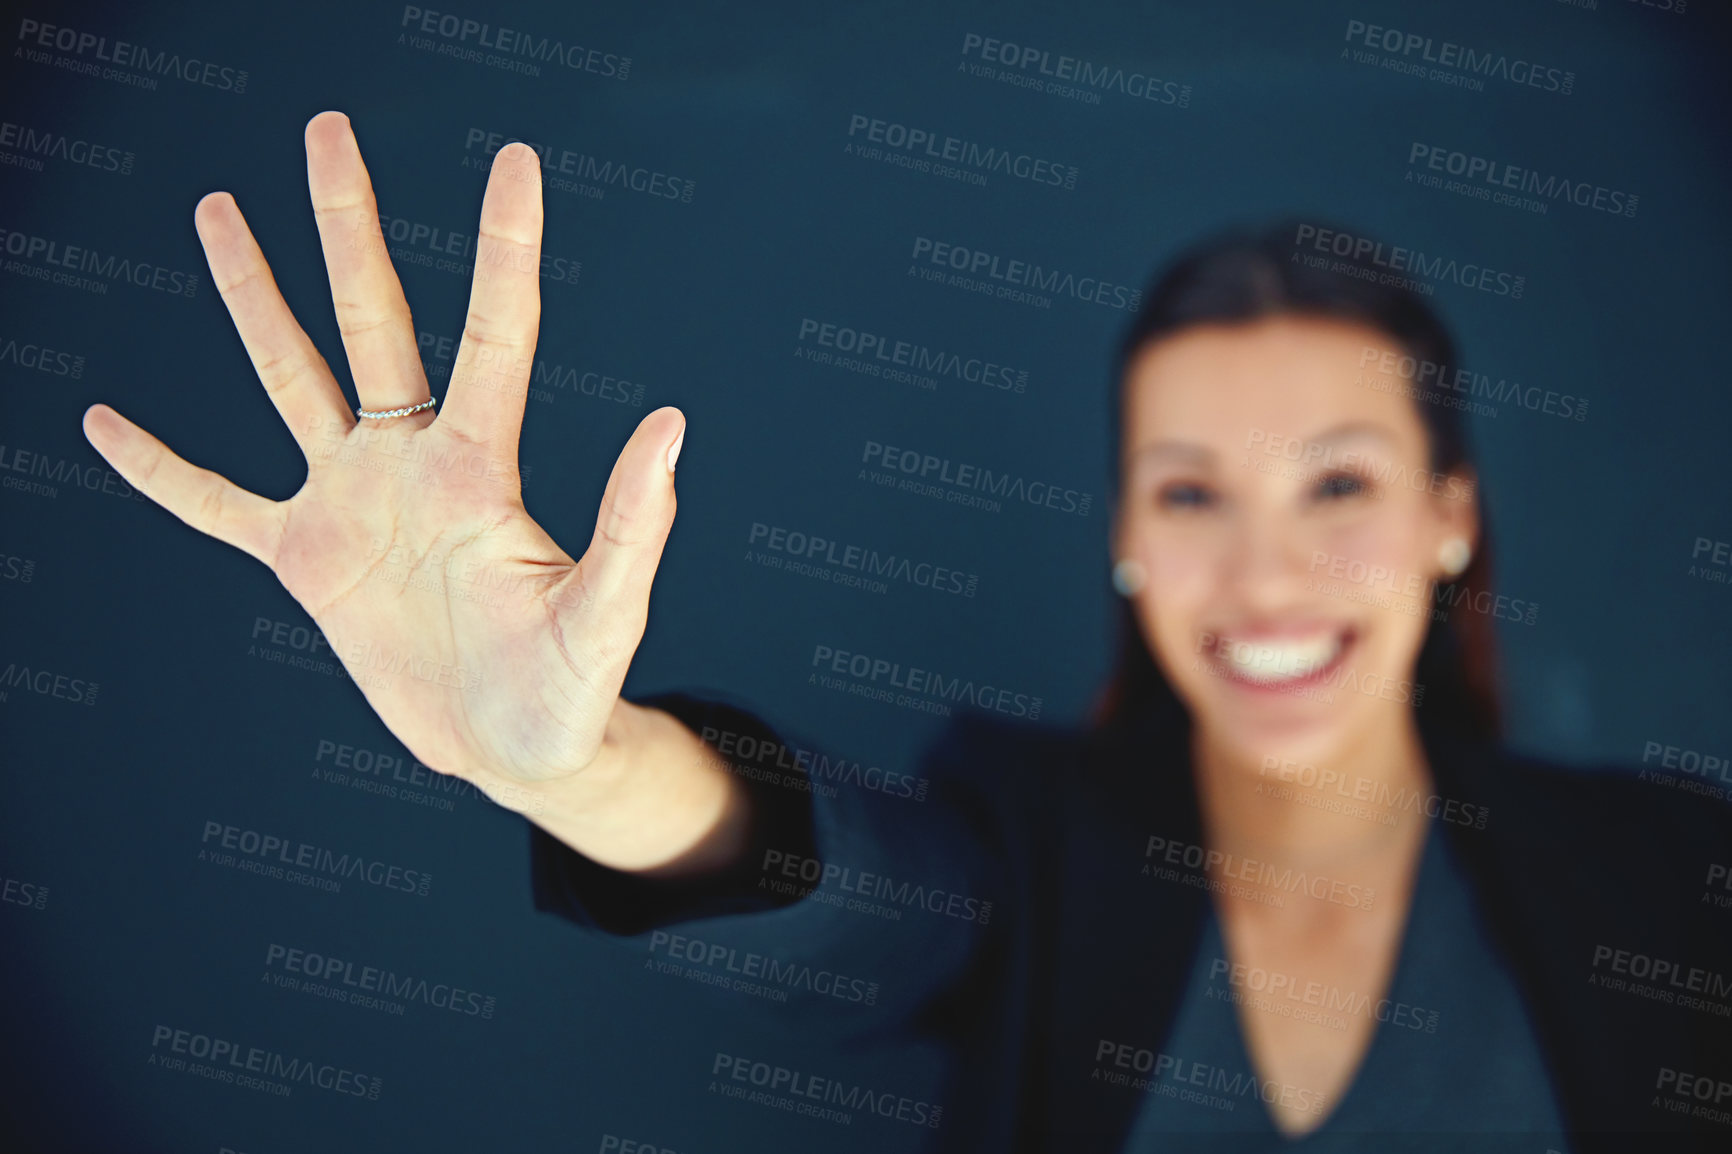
1350	429
1203	454
1190	450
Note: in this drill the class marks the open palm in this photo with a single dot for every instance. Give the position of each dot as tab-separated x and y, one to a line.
486	649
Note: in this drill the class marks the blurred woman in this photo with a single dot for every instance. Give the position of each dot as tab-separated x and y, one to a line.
1284	889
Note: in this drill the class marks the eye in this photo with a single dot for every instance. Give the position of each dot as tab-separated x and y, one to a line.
1184	495
1333	486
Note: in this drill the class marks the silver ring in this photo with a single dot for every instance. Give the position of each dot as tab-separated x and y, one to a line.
376	414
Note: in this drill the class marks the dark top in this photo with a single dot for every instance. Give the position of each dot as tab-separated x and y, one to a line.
1054	884
1451	1029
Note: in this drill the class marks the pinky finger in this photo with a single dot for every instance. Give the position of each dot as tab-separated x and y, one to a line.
208	502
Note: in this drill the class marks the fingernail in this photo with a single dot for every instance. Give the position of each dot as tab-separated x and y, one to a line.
674	449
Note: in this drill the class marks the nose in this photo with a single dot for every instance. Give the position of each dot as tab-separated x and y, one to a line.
1264	564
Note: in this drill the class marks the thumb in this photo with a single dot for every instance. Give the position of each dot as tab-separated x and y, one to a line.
637	511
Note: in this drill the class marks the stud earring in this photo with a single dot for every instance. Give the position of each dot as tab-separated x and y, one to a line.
1453	555
1128	577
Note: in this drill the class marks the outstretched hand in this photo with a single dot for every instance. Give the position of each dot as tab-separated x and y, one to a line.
488	651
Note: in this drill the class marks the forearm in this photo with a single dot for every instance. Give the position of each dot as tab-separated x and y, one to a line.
656	801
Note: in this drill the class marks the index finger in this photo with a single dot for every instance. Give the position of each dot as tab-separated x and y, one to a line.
288	364
207	501
490	380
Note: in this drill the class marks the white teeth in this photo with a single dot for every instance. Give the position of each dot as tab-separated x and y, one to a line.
1283	661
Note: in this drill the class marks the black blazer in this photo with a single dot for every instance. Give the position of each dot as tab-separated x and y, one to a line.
1052	826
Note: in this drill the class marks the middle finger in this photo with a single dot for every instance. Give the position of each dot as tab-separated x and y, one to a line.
372	315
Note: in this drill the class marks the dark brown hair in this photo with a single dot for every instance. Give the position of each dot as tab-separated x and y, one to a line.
1245	275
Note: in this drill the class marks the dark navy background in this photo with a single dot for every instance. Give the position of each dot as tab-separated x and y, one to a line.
701	303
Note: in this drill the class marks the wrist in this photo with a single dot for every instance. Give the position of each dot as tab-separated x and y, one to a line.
577	788
655	799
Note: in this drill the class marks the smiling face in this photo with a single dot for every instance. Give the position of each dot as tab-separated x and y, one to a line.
1289	526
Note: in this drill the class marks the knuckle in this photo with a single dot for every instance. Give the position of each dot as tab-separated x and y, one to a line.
254	271
278	372
356	320
492	329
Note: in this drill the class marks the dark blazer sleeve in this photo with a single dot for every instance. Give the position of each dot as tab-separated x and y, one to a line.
568	884
915	899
